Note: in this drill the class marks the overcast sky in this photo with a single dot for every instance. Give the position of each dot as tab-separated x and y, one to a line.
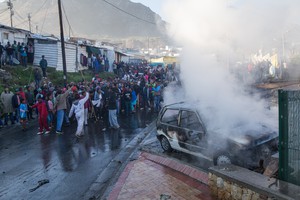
154	5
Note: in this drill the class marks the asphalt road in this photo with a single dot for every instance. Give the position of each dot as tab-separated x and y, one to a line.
63	166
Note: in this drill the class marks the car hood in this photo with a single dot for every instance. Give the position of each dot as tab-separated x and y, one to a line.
245	136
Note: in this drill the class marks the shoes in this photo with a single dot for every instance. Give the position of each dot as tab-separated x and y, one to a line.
67	125
86	124
39	133
47	132
104	129
116	127
59	132
78	136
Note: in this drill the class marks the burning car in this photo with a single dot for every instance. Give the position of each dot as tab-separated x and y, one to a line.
180	126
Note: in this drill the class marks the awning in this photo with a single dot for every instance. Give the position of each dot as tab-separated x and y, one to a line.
92	50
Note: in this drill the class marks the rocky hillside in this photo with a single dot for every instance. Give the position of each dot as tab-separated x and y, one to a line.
88	18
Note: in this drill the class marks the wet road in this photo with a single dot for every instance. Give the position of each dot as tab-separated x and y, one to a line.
71	165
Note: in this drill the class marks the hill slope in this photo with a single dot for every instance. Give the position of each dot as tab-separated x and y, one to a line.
89	18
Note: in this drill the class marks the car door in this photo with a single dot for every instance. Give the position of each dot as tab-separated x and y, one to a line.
168	124
191	132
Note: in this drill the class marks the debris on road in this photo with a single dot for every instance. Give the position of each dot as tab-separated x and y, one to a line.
40	183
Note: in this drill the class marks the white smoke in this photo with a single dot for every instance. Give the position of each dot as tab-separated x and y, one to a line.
214	31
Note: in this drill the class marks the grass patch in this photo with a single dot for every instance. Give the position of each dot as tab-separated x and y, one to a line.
22	76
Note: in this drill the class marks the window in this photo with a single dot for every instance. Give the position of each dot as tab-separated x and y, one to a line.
190	121
5	36
170	117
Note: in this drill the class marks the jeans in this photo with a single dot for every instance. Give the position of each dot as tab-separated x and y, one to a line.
37	83
10	59
156	103
17	114
66	118
118	106
112	117
24	61
127	107
44	71
11	117
60	118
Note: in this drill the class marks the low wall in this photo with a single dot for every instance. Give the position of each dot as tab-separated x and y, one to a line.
234	183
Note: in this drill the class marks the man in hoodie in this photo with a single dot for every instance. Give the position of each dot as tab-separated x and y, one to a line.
78	109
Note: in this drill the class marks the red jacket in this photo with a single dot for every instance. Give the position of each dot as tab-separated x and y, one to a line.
42	108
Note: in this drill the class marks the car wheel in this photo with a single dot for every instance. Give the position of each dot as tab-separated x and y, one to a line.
222	158
165	144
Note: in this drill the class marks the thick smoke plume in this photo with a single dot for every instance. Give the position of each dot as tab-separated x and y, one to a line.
214	35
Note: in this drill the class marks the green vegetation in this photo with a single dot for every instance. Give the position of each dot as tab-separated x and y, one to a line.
24	76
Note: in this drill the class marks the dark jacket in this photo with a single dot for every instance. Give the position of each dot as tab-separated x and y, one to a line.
112	104
43	63
15	101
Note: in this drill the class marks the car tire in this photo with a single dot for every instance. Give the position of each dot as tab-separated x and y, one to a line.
222	158
165	144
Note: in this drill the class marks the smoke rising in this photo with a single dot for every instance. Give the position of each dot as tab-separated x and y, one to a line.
214	35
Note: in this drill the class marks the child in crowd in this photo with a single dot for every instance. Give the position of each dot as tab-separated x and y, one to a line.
50	111
42	107
23	113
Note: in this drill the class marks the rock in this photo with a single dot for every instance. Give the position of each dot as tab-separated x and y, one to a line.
220	182
5	76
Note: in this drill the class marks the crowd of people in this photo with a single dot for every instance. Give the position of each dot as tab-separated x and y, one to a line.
16	53
134	87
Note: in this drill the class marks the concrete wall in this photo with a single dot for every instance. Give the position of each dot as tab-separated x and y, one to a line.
235	183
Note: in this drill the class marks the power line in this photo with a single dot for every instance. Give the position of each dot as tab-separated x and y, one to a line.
63	7
44	19
39	8
3	11
129	13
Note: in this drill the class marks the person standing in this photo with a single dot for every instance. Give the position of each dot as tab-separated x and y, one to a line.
44	65
23	113
16	105
30	52
78	108
15	47
97	98
1	54
37	77
30	101
23	53
112	109
6	98
156	89
127	100
60	105
9	53
41	106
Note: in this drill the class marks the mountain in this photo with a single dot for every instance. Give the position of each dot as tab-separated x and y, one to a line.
92	19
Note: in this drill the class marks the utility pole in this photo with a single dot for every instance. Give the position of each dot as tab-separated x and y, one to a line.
10	7
62	43
29	20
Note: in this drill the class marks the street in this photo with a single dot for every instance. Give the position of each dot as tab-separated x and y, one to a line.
61	166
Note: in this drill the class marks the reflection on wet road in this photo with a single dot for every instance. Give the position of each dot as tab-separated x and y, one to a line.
70	164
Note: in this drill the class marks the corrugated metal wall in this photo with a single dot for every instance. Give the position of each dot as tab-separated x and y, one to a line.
81	50
70	57
289	136
47	48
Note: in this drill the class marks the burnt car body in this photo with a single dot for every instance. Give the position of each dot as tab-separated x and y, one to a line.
180	127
